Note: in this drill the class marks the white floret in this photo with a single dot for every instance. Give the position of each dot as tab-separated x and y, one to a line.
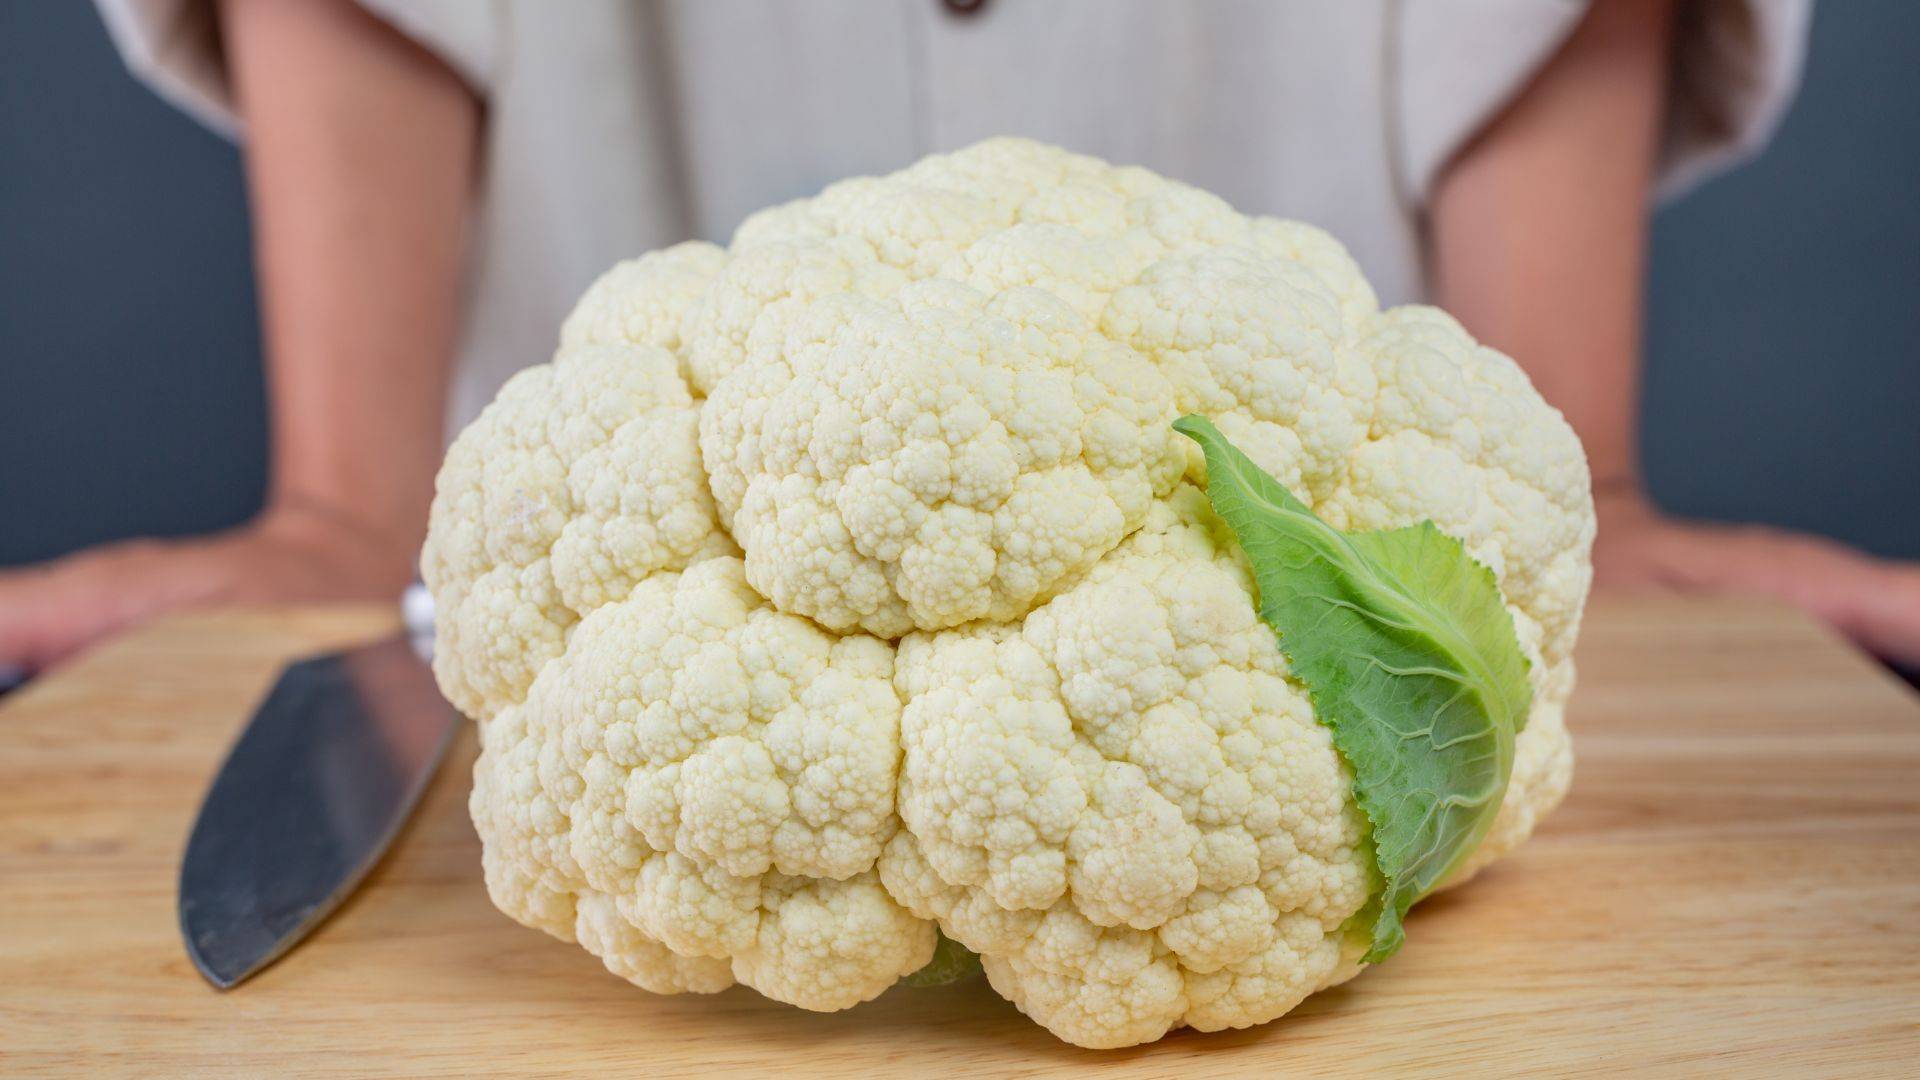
701	783
645	301
943	456
1259	344
580	479
1459	437
1041	305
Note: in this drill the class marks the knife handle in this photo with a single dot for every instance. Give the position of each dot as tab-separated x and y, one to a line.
416	613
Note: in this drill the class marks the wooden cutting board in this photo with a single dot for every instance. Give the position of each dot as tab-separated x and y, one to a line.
1733	887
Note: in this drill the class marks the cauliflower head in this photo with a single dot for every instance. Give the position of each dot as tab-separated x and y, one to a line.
849	586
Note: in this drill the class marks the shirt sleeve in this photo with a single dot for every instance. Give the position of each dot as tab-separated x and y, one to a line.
174	46
1736	66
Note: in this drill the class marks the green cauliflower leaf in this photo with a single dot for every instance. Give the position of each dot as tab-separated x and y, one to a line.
1410	658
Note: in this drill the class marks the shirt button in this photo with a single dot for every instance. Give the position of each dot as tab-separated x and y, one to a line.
963	7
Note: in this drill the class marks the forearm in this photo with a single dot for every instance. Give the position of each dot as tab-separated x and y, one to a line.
1539	226
360	164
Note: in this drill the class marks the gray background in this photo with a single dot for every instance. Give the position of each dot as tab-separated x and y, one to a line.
1783	376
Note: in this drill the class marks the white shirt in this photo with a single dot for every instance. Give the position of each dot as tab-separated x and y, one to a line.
616	127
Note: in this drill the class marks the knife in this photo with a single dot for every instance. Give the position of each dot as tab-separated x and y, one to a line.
312	793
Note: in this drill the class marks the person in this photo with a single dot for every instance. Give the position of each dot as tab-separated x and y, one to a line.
434	183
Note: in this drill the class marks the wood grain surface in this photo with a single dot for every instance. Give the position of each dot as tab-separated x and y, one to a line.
1732	888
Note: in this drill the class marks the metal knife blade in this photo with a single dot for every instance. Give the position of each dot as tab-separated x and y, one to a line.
309	798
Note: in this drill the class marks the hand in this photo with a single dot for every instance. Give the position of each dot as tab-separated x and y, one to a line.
360	150
53	611
1876	602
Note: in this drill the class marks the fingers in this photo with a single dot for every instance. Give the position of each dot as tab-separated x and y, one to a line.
41	623
1873	601
1883	612
52	612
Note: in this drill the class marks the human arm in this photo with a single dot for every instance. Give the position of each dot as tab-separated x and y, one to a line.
360	164
1539	238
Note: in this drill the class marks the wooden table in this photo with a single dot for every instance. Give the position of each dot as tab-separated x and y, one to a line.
1733	887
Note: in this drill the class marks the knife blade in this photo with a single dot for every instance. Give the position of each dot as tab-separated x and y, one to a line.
310	796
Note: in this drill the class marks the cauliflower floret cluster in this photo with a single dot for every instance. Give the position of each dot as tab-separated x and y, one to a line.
1124	805
850	582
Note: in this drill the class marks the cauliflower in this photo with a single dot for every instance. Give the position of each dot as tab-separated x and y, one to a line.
850	593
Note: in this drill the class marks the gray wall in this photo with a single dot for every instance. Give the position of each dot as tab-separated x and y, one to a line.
1783	380
1783	363
130	389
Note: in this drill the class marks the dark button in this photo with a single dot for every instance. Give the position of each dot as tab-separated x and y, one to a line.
964	7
